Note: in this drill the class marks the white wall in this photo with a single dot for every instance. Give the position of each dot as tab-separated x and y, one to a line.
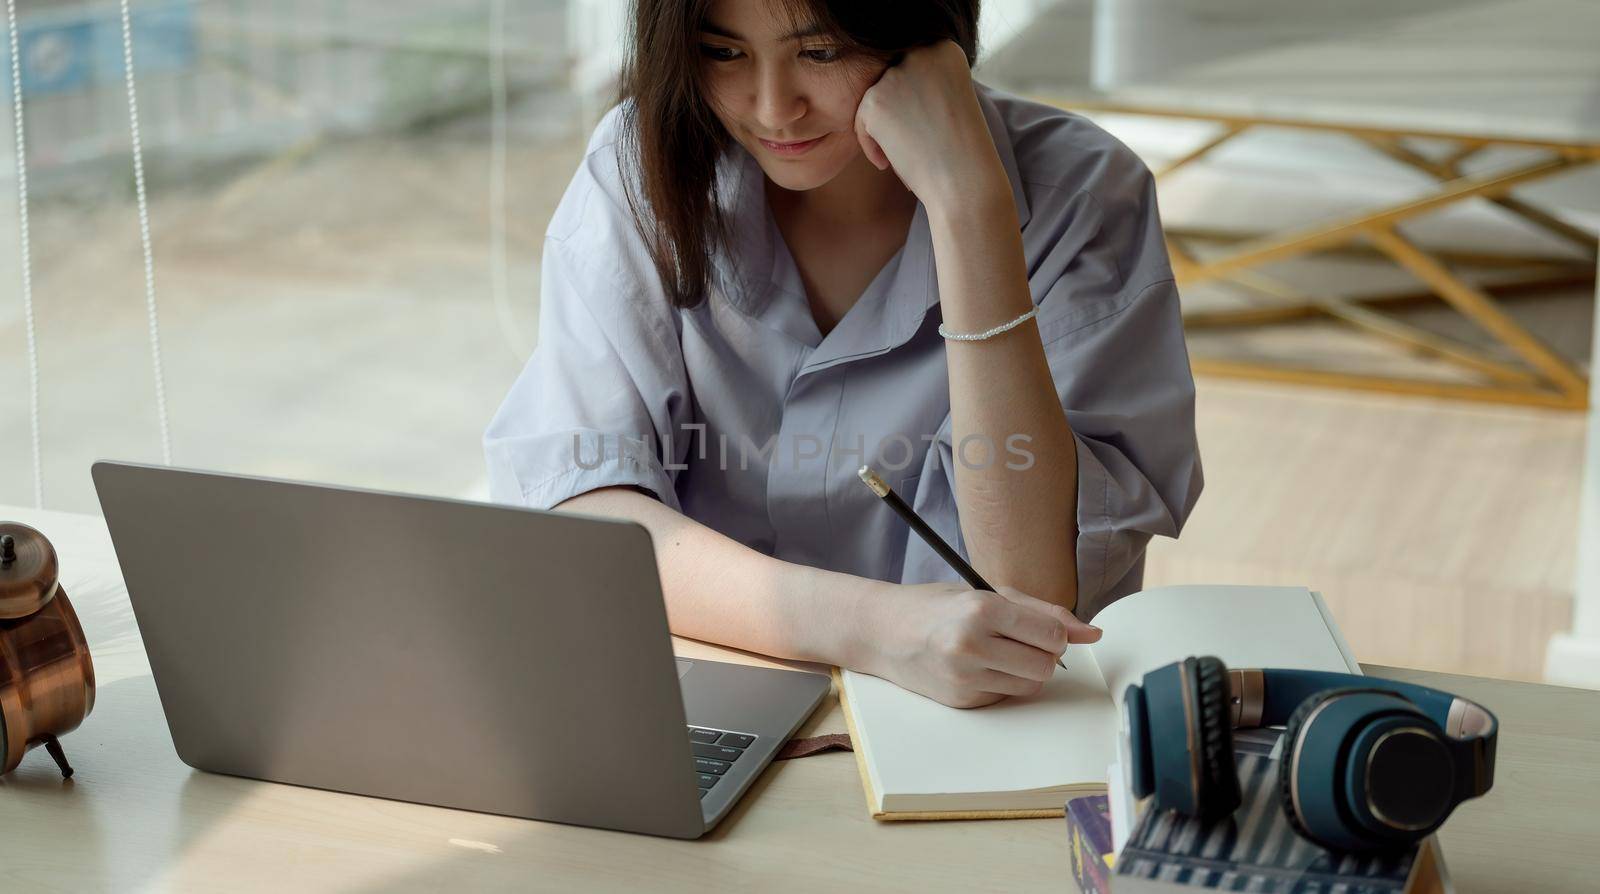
596	31
1574	659
1146	39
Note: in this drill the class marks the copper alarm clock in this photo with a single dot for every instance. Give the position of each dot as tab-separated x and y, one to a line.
46	678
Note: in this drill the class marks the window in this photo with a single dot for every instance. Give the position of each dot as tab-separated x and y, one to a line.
346	201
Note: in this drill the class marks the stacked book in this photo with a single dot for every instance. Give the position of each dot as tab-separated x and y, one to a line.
1089	831
1255	850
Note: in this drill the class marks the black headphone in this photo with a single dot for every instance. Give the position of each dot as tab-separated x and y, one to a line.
1366	764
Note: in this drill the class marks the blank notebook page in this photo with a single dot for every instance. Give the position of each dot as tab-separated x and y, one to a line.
918	746
1244	626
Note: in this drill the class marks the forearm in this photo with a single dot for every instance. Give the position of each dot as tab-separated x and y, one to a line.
719	590
1019	524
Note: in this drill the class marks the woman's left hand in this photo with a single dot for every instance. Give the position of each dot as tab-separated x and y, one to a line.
923	119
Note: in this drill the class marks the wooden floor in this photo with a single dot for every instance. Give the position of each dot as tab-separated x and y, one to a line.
1442	534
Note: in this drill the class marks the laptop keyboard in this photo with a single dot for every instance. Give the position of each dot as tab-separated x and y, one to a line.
714	752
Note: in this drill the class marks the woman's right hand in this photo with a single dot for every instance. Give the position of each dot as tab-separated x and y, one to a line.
964	647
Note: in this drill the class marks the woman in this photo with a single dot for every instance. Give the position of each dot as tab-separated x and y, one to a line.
806	240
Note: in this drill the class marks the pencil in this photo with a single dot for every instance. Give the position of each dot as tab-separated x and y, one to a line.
929	535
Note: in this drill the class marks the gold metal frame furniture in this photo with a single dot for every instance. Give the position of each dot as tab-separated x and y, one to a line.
1542	377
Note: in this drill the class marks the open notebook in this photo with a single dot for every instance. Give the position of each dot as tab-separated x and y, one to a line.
1024	756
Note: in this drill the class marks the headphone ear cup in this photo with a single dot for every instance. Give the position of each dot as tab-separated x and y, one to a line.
1219	789
1321	812
1291	734
1141	763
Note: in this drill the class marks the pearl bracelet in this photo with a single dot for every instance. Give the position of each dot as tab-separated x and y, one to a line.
987	333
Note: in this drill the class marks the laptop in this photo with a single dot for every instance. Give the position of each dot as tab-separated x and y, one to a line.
445	652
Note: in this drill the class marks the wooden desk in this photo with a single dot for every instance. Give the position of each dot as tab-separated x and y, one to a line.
135	818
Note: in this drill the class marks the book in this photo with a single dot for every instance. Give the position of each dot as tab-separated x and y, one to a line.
1089	842
1255	849
1122	805
1024	756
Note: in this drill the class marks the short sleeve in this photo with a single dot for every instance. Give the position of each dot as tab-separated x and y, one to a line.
604	398
1112	329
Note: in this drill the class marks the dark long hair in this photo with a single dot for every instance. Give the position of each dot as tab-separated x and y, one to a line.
671	139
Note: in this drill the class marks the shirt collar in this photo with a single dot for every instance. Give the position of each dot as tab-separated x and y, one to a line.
746	271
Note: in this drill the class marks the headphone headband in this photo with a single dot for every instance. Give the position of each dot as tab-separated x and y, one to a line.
1268	697
1365	764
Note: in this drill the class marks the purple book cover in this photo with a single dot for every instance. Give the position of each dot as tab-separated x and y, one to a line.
1089	837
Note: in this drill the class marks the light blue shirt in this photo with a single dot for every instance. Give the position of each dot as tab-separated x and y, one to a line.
741	414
